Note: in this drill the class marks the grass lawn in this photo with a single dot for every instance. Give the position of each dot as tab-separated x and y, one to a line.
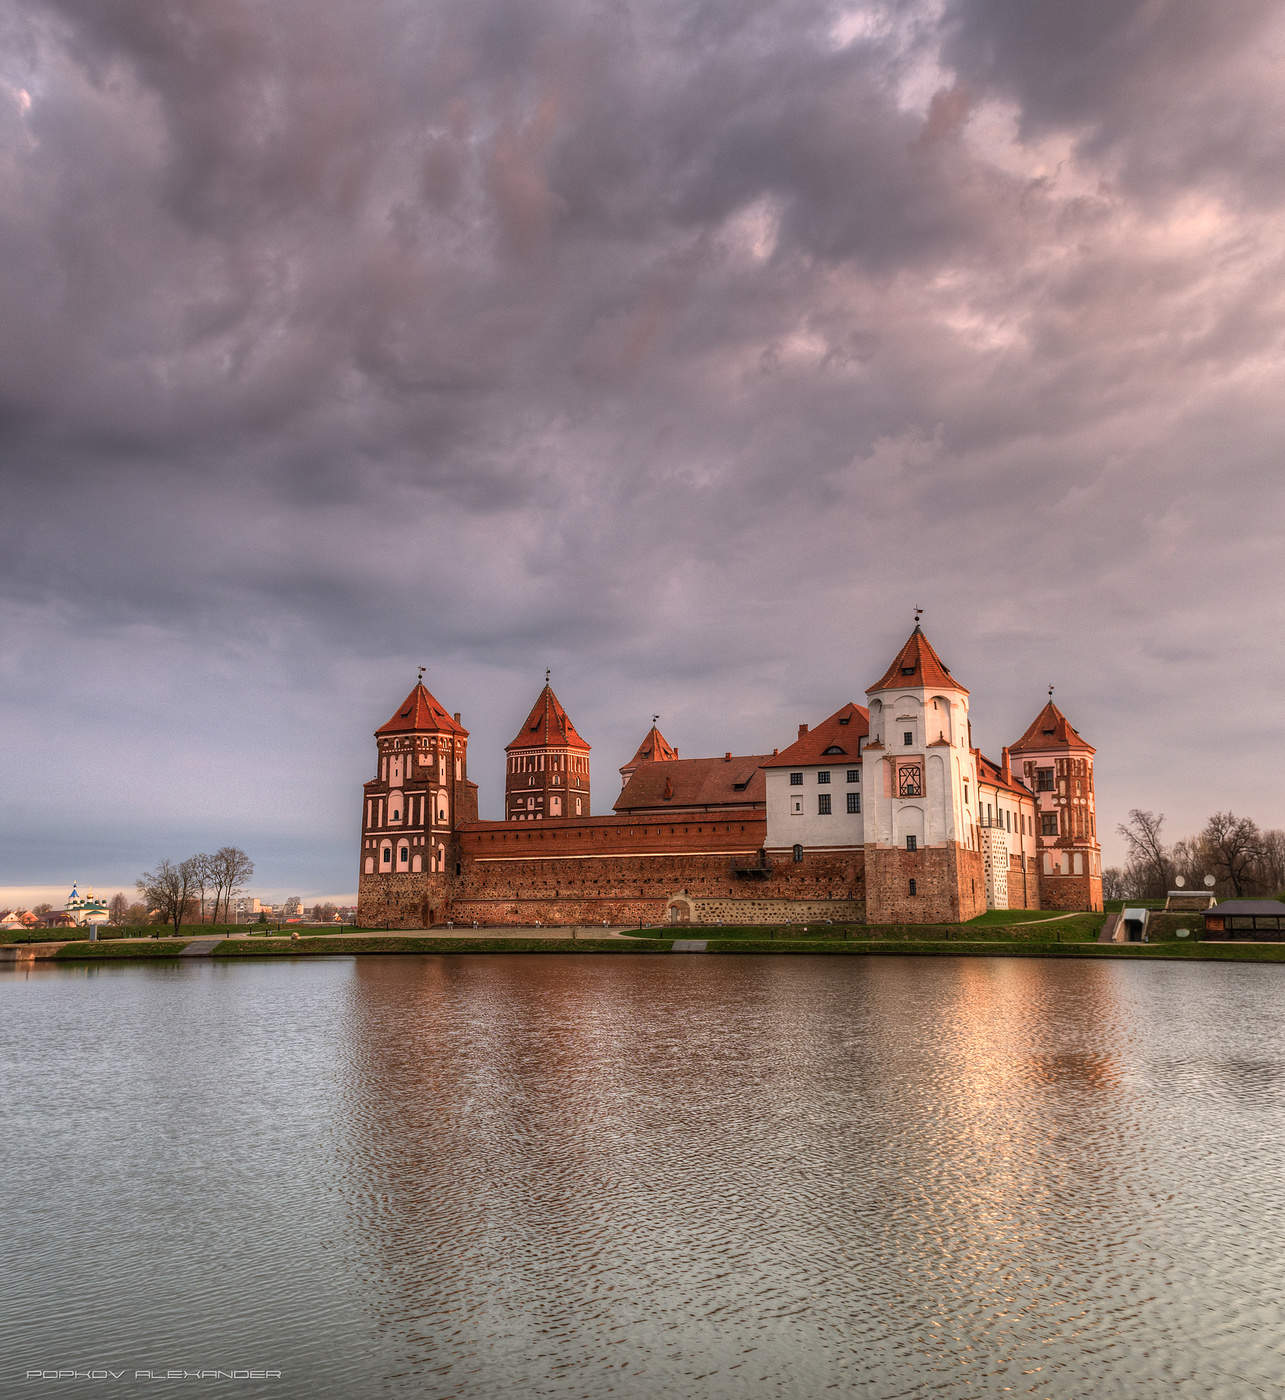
1079	928
415	943
993	917
114	948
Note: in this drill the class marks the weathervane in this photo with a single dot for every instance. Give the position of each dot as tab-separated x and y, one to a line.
1050	692
919	612
420	677
546	675
654	718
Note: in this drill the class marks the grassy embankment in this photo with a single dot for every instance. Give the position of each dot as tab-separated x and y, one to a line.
114	948
999	933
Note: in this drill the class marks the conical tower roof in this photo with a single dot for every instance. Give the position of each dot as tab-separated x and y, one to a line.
420	713
1050	729
655	748
547	726
917	664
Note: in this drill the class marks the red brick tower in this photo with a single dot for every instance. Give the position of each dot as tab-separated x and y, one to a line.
547	773
655	748
410	809
1057	765
918	769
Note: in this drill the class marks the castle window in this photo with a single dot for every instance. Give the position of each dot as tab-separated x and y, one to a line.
910	780
913	888
823	804
796	779
798	854
823	776
1043	780
907	737
1048	823
912	843
854	775
854	802
796	807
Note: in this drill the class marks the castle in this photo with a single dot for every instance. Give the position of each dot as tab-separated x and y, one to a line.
882	813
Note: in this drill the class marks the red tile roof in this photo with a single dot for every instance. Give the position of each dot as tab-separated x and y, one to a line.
547	726
837	738
420	713
990	773
1050	729
734	780
917	664
655	748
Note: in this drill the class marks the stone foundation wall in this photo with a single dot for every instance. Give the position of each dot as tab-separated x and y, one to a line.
623	888
402	900
950	885
683	911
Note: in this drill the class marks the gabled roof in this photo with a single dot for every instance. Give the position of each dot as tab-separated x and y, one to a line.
990	773
1050	729
547	726
734	780
836	738
655	748
420	713
915	665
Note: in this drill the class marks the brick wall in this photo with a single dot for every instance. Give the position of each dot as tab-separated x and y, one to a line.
619	888
950	885
402	900
1071	892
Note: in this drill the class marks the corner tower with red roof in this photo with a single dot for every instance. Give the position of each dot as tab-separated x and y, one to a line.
547	768
420	793
655	748
1057	765
919	775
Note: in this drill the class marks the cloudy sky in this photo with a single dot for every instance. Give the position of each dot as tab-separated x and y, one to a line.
682	347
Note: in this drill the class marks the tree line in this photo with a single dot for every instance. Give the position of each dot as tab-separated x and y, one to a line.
174	892
1244	859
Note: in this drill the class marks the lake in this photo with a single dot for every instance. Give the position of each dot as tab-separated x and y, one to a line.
575	1176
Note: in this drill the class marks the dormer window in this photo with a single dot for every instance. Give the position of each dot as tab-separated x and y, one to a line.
834	748
907	670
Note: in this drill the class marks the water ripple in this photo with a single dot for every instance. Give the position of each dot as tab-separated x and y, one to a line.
506	1177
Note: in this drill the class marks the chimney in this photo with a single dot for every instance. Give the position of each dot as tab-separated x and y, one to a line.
775	752
803	729
727	757
1006	765
457	716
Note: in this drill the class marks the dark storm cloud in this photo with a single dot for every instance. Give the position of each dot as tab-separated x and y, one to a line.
681	347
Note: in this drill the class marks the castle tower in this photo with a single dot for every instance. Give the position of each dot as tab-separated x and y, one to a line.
420	793
547	771
919	774
655	748
1057	765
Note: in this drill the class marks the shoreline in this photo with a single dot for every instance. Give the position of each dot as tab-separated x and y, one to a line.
692	942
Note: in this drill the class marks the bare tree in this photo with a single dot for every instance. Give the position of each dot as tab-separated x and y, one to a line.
231	869
169	890
1235	847
1113	883
118	908
205	875
1271	863
42	909
1149	859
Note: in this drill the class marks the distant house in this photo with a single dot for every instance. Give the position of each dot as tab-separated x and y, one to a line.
1262	920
